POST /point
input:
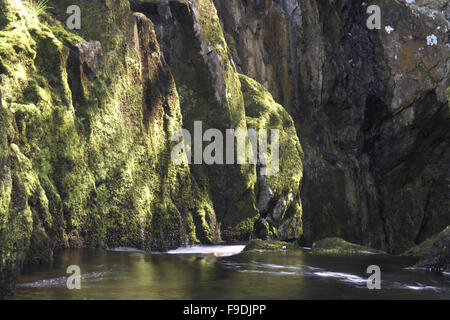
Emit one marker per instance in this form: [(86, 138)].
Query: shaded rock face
[(434, 253), (370, 108), (86, 121)]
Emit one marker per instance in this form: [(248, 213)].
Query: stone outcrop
[(212, 91), (370, 108)]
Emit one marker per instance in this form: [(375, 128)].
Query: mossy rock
[(278, 192), (85, 144), (258, 245), (340, 247), (434, 253)]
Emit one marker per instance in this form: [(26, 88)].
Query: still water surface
[(220, 273)]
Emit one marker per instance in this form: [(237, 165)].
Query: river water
[(220, 273)]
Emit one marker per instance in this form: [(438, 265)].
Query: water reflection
[(130, 274)]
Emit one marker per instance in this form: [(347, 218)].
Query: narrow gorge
[(88, 115)]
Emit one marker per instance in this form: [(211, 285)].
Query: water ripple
[(62, 281)]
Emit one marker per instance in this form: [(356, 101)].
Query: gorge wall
[(370, 108), (87, 116), (86, 125)]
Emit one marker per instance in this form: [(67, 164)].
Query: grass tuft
[(38, 7)]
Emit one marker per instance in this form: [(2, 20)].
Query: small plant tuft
[(38, 7)]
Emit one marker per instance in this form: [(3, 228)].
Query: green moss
[(258, 245), (231, 43), (86, 120), (210, 91), (264, 113), (88, 156), (340, 247), (425, 248), (25, 107)]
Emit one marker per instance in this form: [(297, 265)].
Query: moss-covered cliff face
[(86, 120), (278, 197), (85, 157), (212, 91), (369, 106)]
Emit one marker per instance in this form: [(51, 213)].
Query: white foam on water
[(341, 276), (62, 281), (218, 251), (126, 249), (279, 273), (46, 283), (421, 287), (276, 266)]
